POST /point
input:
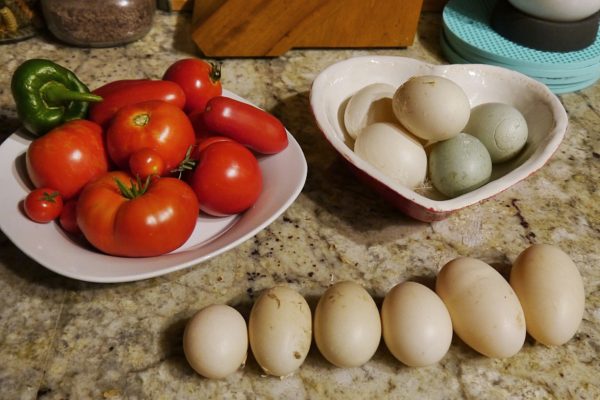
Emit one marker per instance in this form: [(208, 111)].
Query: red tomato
[(155, 125), (200, 81), (134, 221), (43, 205), (118, 94), (68, 217), (146, 162), (67, 157), (227, 179), (246, 124)]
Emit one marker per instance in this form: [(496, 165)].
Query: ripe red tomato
[(227, 179), (155, 125), (68, 217), (246, 124), (146, 162), (43, 205), (67, 157), (118, 94), (200, 81), (137, 221)]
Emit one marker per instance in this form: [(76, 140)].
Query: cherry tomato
[(155, 125), (200, 81), (246, 124), (121, 93), (67, 157), (68, 217), (43, 205), (135, 218), (227, 179), (146, 162)]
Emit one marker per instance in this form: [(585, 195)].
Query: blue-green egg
[(459, 165), (500, 127)]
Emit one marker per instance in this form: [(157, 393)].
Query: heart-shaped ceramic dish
[(546, 119)]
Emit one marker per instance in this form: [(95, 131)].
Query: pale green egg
[(500, 127), (459, 165)]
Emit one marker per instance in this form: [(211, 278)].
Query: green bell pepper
[(47, 95)]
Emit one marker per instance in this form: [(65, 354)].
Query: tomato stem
[(141, 119), (136, 188), (215, 72), (187, 164), (51, 197)]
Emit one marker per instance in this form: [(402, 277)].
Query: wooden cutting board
[(256, 28)]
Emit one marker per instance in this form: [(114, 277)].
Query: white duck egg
[(215, 341), (551, 292), (394, 152), (416, 324), (347, 325), (500, 127), (280, 330), (372, 103), (431, 107), (485, 311)]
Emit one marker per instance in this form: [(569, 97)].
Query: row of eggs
[(544, 296), (390, 125)]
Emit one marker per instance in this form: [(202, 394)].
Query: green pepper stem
[(55, 93)]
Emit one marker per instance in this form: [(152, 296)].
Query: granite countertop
[(66, 339)]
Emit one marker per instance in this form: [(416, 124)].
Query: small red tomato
[(43, 205), (200, 81), (227, 179), (67, 157), (246, 124), (146, 162), (155, 125), (68, 217)]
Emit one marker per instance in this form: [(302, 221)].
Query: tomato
[(146, 162), (136, 220), (67, 157), (246, 124), (155, 125), (68, 217), (227, 179), (121, 93), (200, 81), (43, 205)]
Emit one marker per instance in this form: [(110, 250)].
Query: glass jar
[(98, 23)]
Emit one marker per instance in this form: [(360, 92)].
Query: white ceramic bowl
[(558, 10), (546, 119)]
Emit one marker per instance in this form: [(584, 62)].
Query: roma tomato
[(246, 124), (200, 81), (154, 125), (121, 93), (67, 157), (227, 179), (68, 217), (123, 217), (43, 205)]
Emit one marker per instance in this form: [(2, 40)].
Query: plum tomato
[(43, 205), (128, 217), (67, 157), (155, 125), (200, 81), (227, 179), (246, 124)]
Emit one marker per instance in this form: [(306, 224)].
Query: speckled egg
[(500, 127), (280, 330), (459, 165)]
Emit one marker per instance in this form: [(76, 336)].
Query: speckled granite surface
[(65, 339)]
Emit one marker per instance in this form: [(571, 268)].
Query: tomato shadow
[(330, 184)]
